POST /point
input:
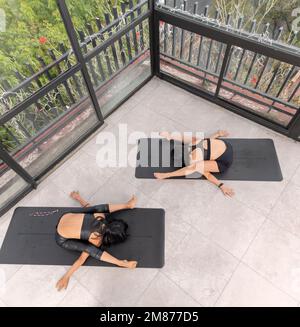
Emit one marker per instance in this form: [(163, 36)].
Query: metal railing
[(216, 63), (41, 105), (260, 80)]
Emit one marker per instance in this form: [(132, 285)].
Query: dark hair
[(115, 231)]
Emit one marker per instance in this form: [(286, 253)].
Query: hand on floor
[(62, 283), (75, 195), (227, 191)]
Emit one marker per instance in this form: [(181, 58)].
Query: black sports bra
[(91, 224)]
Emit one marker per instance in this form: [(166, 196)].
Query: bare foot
[(160, 175), (75, 195), (132, 202)]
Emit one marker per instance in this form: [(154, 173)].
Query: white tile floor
[(226, 252)]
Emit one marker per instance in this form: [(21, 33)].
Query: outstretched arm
[(180, 138), (206, 168), (106, 257), (64, 281)]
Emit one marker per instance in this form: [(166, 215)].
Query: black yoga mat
[(254, 160), (30, 239)]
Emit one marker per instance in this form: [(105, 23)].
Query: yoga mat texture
[(253, 160), (30, 239)]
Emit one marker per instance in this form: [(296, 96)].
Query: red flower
[(254, 80), (138, 34), (43, 40)]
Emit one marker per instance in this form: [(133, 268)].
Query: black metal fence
[(65, 94), (245, 75), (259, 80)]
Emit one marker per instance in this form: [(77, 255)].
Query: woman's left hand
[(62, 283)]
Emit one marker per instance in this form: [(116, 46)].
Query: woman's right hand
[(62, 283), (130, 264), (227, 191)]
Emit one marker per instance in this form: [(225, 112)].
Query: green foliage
[(30, 20)]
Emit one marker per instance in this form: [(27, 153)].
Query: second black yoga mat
[(30, 239), (254, 160)]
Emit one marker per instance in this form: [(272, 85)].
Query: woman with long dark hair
[(90, 232)]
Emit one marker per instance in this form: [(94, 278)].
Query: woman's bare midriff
[(70, 225)]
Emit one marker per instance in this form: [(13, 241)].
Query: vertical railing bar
[(65, 83), (154, 40), (113, 47), (262, 72), (106, 56), (7, 87), (174, 29), (141, 29), (182, 32), (223, 68), (60, 99), (50, 104), (294, 92), (127, 35), (89, 64), (250, 68), (288, 76), (77, 50), (11, 134), (244, 52), (273, 78), (74, 77), (136, 47), (98, 58), (211, 44), (221, 46), (195, 9), (123, 57)]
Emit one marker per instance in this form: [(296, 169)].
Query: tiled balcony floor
[(243, 251)]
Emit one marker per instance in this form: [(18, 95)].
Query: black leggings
[(78, 245)]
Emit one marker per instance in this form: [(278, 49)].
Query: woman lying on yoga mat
[(207, 156), (89, 231)]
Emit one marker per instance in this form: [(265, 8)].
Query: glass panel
[(135, 70), (123, 65), (191, 57), (262, 85), (10, 185), (97, 21), (273, 22), (39, 135), (32, 37)]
